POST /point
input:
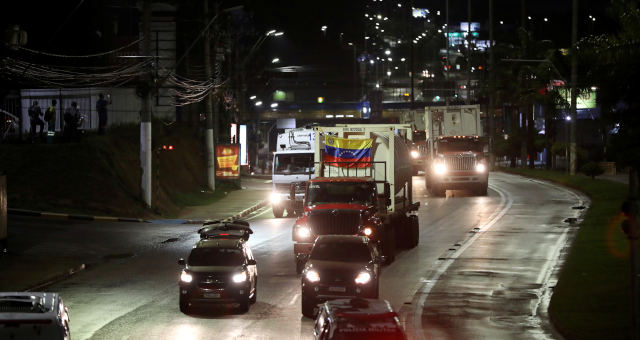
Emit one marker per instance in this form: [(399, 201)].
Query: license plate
[(212, 295), (338, 289)]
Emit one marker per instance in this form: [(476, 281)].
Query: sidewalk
[(44, 251)]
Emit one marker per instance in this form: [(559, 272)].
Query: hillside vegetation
[(101, 174)]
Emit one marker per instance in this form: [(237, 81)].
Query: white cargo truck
[(455, 150), (371, 197), (292, 167)]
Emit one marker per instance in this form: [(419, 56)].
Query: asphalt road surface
[(483, 269)]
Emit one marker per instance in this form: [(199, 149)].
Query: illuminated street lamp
[(275, 60)]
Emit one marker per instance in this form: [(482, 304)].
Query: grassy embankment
[(592, 297), (101, 174)]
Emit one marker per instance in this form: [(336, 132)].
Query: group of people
[(72, 119)]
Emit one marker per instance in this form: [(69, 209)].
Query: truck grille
[(335, 222), (212, 280), (460, 162)]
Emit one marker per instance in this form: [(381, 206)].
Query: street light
[(275, 60)]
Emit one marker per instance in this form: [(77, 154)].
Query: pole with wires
[(145, 114), (211, 165)]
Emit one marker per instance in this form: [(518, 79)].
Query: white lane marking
[(506, 201), (294, 299)]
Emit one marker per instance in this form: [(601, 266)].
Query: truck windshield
[(341, 192), (288, 164), (341, 251), (449, 145)]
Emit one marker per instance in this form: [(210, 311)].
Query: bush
[(592, 169)]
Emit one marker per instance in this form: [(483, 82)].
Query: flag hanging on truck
[(347, 153)]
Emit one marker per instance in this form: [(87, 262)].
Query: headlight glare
[(302, 231), (415, 154), (363, 278), (239, 277), (186, 277), (312, 276), (480, 167), (440, 168), (367, 231), (274, 197)]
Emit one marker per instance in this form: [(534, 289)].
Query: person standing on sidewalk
[(34, 114), (50, 118), (101, 107)]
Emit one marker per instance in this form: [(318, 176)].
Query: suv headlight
[(440, 168), (312, 276), (302, 231), (480, 167), (367, 231), (415, 154), (239, 277), (363, 278), (186, 277), (274, 198)]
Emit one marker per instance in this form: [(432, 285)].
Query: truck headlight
[(302, 231), (415, 154), (312, 276), (186, 277), (274, 198), (480, 167), (363, 278), (367, 231), (239, 277), (440, 168)]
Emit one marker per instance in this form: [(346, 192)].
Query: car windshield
[(341, 192), (286, 164), (341, 251), (216, 257), (448, 145)]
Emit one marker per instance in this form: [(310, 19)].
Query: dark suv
[(357, 319), (340, 266), (219, 271)]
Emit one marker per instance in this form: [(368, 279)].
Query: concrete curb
[(241, 214), (57, 278), (59, 216)]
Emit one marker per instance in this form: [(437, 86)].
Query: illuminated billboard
[(586, 100), (227, 161)]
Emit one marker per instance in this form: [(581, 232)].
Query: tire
[(482, 190), (308, 305), (184, 305), (389, 245), (414, 227), (254, 298), (300, 266), (244, 306), (438, 191), (277, 212)]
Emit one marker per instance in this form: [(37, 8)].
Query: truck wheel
[(414, 228), (438, 191), (277, 211), (389, 245), (308, 305), (244, 306), (299, 266), (482, 190)]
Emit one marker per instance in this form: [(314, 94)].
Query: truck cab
[(292, 165)]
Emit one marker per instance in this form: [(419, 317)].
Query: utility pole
[(211, 156), (145, 119), (574, 90), (633, 233), (491, 87), (446, 64), (468, 52)]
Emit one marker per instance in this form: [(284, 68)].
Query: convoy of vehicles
[(357, 319), (340, 266), (33, 315), (455, 150), (219, 271), (371, 198), (292, 165)]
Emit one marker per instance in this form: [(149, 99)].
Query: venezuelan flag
[(338, 150)]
